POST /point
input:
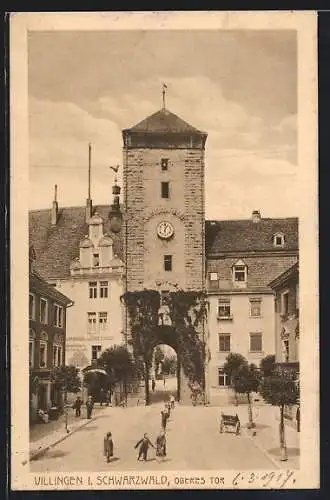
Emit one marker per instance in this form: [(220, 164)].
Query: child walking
[(108, 446), (143, 445), (161, 445)]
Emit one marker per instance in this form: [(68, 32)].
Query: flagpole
[(89, 169)]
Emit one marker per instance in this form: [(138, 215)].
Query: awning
[(89, 369)]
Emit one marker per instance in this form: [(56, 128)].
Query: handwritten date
[(276, 480)]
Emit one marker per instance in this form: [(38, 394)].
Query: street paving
[(193, 442)]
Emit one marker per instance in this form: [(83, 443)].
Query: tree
[(118, 363), (280, 389), (143, 307), (247, 380), (267, 365), (66, 378), (169, 365), (188, 312), (234, 362)]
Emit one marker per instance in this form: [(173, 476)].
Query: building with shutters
[(47, 337), (286, 287), (242, 257)]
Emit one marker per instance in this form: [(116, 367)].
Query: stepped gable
[(163, 121), (57, 246), (225, 236)]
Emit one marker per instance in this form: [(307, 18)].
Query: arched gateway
[(163, 179)]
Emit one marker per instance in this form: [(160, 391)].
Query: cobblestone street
[(193, 442)]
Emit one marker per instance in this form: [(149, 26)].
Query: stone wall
[(145, 208)]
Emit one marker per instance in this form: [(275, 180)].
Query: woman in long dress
[(108, 446), (161, 445)]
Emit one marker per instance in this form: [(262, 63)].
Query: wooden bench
[(230, 423)]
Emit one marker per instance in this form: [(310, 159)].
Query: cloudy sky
[(239, 86)]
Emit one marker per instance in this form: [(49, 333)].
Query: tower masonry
[(163, 174)]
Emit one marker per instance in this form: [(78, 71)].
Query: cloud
[(247, 163), (60, 133), (238, 182)]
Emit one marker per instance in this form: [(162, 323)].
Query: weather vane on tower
[(164, 92), (115, 169)]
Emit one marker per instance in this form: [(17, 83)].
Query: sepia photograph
[(164, 251)]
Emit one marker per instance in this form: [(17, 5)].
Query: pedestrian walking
[(143, 445), (77, 406), (89, 406), (161, 445), (102, 396), (153, 385), (164, 418), (108, 398), (108, 446), (168, 409), (298, 419), (172, 401)]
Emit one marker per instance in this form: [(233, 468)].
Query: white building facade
[(96, 283)]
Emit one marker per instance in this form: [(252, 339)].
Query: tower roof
[(164, 121)]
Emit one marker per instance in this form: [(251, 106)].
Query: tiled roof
[(285, 275), (261, 270), (38, 284), (163, 121), (57, 246), (246, 235)]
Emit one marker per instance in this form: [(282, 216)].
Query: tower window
[(164, 164), (168, 262), (165, 189)]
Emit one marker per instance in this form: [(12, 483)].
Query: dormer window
[(278, 240), (239, 273), (96, 260)]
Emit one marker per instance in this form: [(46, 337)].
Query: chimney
[(256, 217), (55, 208)]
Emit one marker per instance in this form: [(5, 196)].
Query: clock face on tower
[(165, 230)]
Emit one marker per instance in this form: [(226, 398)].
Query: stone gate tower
[(163, 175), (163, 178)]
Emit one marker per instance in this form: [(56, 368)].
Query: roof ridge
[(164, 113), (250, 220)]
